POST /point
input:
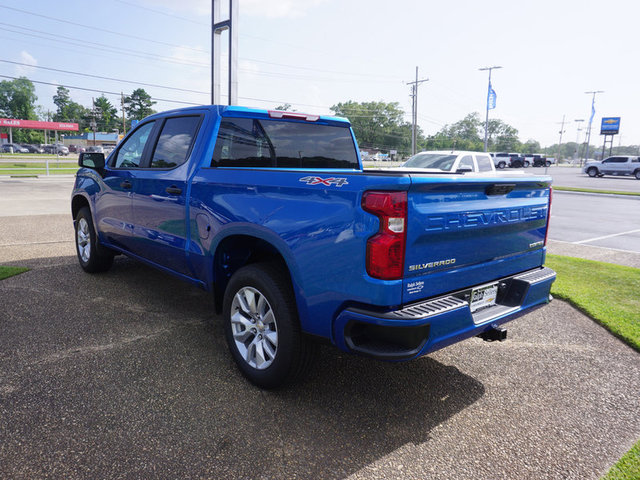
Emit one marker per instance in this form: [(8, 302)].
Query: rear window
[(246, 142)]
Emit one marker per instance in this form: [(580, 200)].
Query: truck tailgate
[(464, 231)]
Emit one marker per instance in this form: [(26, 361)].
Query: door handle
[(126, 184), (173, 190)]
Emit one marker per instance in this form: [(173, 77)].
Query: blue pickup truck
[(273, 214)]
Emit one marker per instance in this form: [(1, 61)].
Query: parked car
[(538, 160), (501, 159), (33, 148), (57, 149), (618, 165), (13, 148), (511, 160), (95, 149), (451, 161), (297, 243), (518, 161)]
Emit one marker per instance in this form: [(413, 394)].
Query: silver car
[(618, 165)]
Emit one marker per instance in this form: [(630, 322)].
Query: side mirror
[(91, 160)]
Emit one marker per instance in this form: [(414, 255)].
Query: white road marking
[(595, 246), (607, 236)]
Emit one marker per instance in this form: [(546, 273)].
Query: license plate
[(483, 297)]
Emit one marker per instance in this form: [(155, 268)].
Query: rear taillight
[(546, 233), (385, 250)]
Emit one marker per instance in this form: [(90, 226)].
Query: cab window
[(466, 162), (130, 153)]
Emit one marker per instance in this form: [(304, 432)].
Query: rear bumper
[(428, 325)]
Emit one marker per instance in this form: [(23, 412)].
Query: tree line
[(18, 100), (377, 125)]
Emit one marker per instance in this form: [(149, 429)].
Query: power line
[(98, 91), (94, 28), (104, 78), (170, 15), (141, 54), (100, 46)]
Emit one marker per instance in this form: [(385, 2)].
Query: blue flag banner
[(593, 110), (491, 98)]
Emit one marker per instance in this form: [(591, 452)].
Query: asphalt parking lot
[(126, 375)]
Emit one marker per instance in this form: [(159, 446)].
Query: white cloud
[(26, 57)]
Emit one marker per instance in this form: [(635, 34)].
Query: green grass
[(608, 294), (592, 190), (628, 467), (6, 272)]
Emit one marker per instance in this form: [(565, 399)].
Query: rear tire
[(501, 165), (526, 164), (592, 172), (262, 328), (92, 256), (547, 163), (637, 174)]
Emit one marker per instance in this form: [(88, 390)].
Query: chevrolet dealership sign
[(610, 126)]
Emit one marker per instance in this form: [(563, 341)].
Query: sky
[(314, 54)]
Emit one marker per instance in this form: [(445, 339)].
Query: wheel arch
[(77, 202), (236, 250)]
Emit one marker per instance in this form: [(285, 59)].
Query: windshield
[(441, 161)]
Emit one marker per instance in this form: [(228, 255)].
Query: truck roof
[(233, 110)]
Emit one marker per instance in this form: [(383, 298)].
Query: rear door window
[(246, 142), (175, 141)]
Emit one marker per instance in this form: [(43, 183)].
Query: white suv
[(618, 165)]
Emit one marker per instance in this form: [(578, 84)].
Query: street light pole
[(593, 111), (486, 121)]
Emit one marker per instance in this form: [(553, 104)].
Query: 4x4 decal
[(338, 182)]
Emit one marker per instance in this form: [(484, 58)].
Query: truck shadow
[(172, 404)]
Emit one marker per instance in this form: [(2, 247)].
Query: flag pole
[(486, 121)]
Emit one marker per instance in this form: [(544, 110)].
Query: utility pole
[(124, 125), (93, 123), (486, 121), (414, 111), (593, 112), (578, 130), (560, 141)]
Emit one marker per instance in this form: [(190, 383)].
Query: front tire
[(501, 165), (547, 164), (592, 172), (637, 174), (92, 256), (262, 327)]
